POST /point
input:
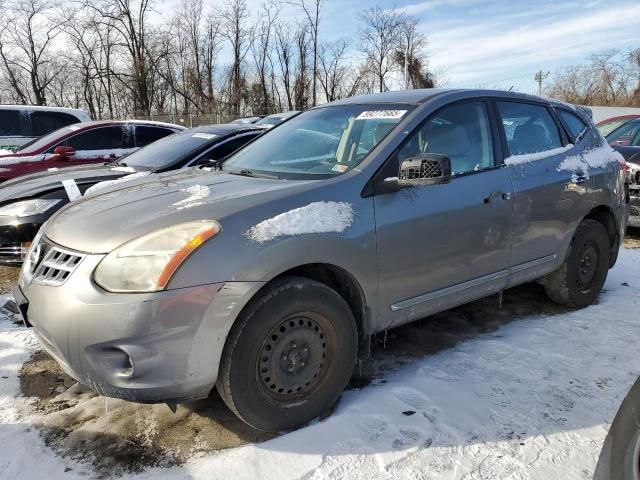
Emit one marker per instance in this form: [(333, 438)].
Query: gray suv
[(267, 275)]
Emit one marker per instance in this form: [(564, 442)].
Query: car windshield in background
[(319, 143), (168, 150), (35, 145), (628, 135)]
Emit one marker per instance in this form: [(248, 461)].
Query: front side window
[(626, 135), (460, 132), (319, 143), (104, 138), (574, 124), (528, 128), (45, 122)]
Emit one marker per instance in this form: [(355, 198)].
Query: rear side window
[(10, 123), (573, 123), (460, 132), (529, 128), (147, 135), (105, 138), (45, 122)]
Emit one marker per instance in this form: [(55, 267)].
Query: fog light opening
[(127, 368)]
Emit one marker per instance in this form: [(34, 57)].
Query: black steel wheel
[(579, 280), (289, 356)]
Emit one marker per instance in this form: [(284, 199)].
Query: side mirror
[(64, 151), (424, 169)]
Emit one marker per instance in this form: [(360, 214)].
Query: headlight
[(146, 264), (26, 208)]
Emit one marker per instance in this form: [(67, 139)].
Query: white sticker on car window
[(379, 114), (71, 188), (206, 136)]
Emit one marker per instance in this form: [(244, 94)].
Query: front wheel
[(579, 280), (289, 356)]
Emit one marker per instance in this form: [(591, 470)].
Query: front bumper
[(157, 347)]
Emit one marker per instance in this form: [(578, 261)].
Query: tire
[(620, 455), (289, 356), (579, 280)]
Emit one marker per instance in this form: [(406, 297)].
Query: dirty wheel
[(578, 282), (289, 356)]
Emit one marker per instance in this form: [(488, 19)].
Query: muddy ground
[(116, 436)]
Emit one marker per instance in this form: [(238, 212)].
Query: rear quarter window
[(10, 123), (574, 124)]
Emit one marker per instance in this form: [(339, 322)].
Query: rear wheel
[(578, 282), (289, 356)]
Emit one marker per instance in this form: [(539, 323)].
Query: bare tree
[(235, 17), (311, 9), (379, 38), (333, 71)]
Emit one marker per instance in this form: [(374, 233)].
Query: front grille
[(56, 266)]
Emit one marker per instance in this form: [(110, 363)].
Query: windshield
[(34, 145), (319, 143), (169, 150), (626, 135)]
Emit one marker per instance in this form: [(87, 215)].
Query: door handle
[(494, 196)]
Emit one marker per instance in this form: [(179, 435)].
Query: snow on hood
[(102, 185), (5, 152), (16, 159), (196, 193), (595, 158), (533, 157), (317, 217)]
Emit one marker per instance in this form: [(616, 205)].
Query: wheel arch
[(604, 215)]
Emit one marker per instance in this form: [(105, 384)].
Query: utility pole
[(540, 76)]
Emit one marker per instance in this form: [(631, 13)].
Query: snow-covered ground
[(532, 399)]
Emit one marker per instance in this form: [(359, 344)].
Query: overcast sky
[(498, 43)]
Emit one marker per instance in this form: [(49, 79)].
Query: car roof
[(418, 96), (226, 128), (101, 123), (34, 108)]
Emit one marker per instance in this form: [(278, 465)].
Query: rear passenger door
[(443, 245), (536, 144)]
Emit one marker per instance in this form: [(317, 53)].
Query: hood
[(41, 183), (101, 222)]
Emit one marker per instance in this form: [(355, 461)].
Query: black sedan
[(27, 202)]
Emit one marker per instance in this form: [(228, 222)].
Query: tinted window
[(105, 138), (461, 132), (609, 126), (574, 124), (10, 123), (147, 135), (225, 149), (626, 135), (529, 128), (45, 122), (170, 149)]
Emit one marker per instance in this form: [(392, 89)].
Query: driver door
[(443, 245)]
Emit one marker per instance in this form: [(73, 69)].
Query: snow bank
[(533, 157), (317, 217), (595, 158), (196, 194), (108, 183)]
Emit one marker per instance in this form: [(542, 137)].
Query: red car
[(80, 143), (610, 124)]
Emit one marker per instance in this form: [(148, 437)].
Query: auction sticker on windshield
[(378, 114)]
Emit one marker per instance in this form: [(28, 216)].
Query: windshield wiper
[(249, 173)]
